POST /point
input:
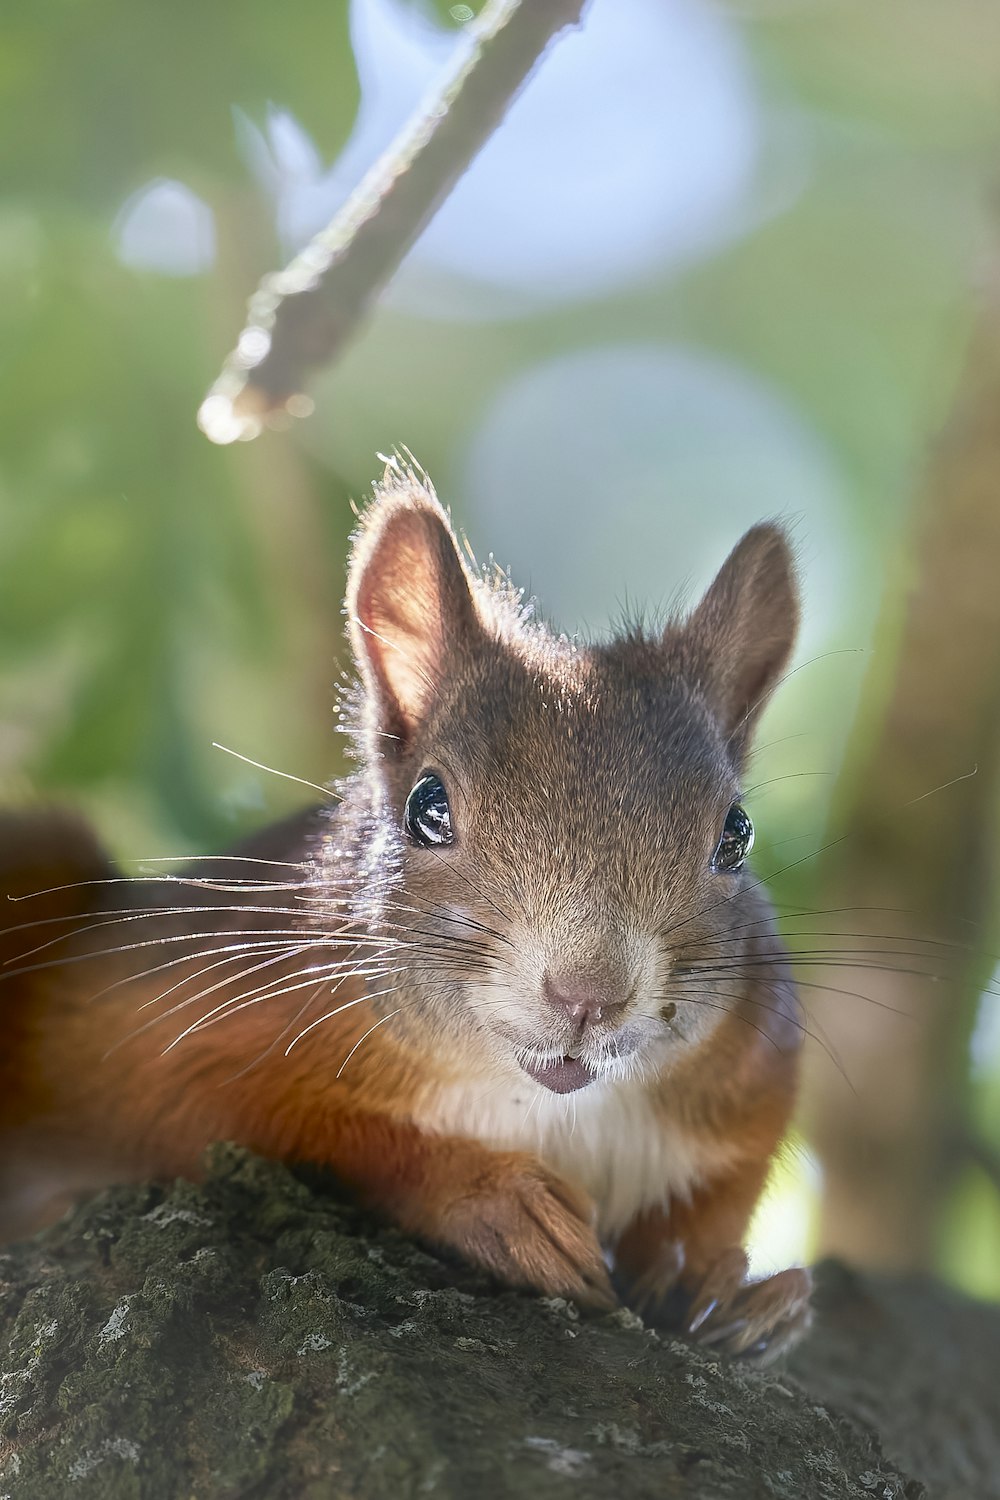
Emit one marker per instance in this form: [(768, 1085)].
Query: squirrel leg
[(684, 1268), (503, 1211)]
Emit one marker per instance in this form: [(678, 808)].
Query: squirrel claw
[(659, 1280), (532, 1230), (719, 1288), (760, 1319), (750, 1320), (724, 1333)]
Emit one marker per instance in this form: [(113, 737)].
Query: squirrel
[(515, 987)]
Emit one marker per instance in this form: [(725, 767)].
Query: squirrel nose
[(582, 1000)]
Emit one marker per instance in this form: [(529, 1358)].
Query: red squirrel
[(515, 986)]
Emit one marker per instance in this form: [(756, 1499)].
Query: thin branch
[(301, 317)]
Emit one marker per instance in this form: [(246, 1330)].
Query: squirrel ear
[(409, 603), (743, 631)]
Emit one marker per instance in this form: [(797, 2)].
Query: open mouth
[(562, 1075)]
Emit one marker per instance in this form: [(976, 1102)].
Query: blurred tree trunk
[(918, 806)]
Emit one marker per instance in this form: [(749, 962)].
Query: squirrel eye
[(736, 841), (427, 815)]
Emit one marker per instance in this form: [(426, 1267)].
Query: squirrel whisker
[(266, 992)]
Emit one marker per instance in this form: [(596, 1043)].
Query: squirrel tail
[(51, 874), (49, 863)]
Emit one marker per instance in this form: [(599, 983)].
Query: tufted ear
[(742, 633), (410, 607)]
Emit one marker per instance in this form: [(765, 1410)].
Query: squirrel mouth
[(561, 1075)]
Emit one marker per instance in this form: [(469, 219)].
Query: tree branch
[(919, 818), (299, 318)]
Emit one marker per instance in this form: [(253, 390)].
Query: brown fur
[(588, 787)]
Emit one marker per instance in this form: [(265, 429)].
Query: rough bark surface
[(254, 1336)]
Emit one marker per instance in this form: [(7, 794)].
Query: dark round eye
[(736, 841), (427, 816)]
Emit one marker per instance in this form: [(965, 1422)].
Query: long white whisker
[(278, 950), (283, 1032), (198, 859), (231, 951), (263, 994), (330, 1014), (380, 1022), (326, 969), (324, 791)]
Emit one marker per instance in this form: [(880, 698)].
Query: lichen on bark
[(255, 1335)]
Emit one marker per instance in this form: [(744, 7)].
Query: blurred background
[(721, 262)]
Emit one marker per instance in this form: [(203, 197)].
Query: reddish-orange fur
[(91, 1091), (85, 1087), (87, 1093)]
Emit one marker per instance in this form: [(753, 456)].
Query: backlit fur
[(370, 1004)]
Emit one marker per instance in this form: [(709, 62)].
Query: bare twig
[(299, 318)]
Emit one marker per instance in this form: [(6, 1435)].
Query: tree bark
[(918, 855), (253, 1336)]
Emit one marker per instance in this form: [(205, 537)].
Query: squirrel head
[(560, 829)]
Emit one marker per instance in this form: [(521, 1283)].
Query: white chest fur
[(608, 1138)]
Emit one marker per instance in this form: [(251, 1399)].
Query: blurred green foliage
[(139, 589), (152, 588)]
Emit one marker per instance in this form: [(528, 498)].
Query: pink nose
[(582, 1000)]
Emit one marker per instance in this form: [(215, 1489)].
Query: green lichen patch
[(254, 1336)]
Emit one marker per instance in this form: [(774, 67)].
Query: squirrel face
[(560, 823)]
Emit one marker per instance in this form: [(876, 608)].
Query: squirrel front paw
[(530, 1228), (721, 1307)]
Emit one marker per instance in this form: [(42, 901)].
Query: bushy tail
[(49, 863)]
